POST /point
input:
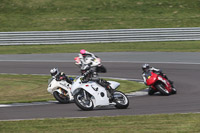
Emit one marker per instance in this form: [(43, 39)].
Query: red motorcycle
[(158, 83)]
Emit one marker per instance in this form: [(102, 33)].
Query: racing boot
[(110, 93)]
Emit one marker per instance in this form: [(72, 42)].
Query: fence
[(99, 36)]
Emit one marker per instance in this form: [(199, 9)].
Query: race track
[(183, 70)]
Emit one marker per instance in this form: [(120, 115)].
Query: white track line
[(27, 104)]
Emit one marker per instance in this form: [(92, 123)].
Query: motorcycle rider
[(90, 74), (146, 69), (84, 56), (60, 75), (88, 58)]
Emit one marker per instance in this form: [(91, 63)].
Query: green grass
[(47, 15), (174, 123), (180, 46), (30, 88), (23, 88)]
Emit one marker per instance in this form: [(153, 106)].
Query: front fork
[(85, 95)]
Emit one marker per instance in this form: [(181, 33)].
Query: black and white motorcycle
[(90, 95)]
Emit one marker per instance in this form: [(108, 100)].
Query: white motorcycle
[(89, 95), (61, 90)]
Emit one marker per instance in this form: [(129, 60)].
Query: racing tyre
[(151, 91), (60, 98), (101, 69), (162, 90), (121, 100), (82, 102)]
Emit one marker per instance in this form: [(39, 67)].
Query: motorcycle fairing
[(151, 78), (166, 83), (91, 88), (114, 85), (77, 60), (96, 91), (162, 80), (54, 85)]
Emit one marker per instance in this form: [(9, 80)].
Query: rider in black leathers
[(90, 74)]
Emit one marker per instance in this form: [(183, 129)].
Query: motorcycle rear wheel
[(162, 89), (101, 69), (121, 100), (60, 98), (81, 102)]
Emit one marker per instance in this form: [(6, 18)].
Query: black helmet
[(54, 72), (145, 67)]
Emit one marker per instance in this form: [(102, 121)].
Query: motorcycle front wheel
[(151, 91), (83, 101), (121, 100), (60, 98), (174, 91), (162, 90)]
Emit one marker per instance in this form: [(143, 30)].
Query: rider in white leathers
[(87, 58)]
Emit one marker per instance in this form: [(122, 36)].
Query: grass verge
[(38, 15), (180, 46), (30, 88), (165, 123)]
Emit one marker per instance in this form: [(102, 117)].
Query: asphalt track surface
[(182, 68)]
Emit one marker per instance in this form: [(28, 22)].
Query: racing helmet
[(82, 51), (145, 67), (54, 72)]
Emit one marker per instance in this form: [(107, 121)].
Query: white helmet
[(54, 72), (145, 67)]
